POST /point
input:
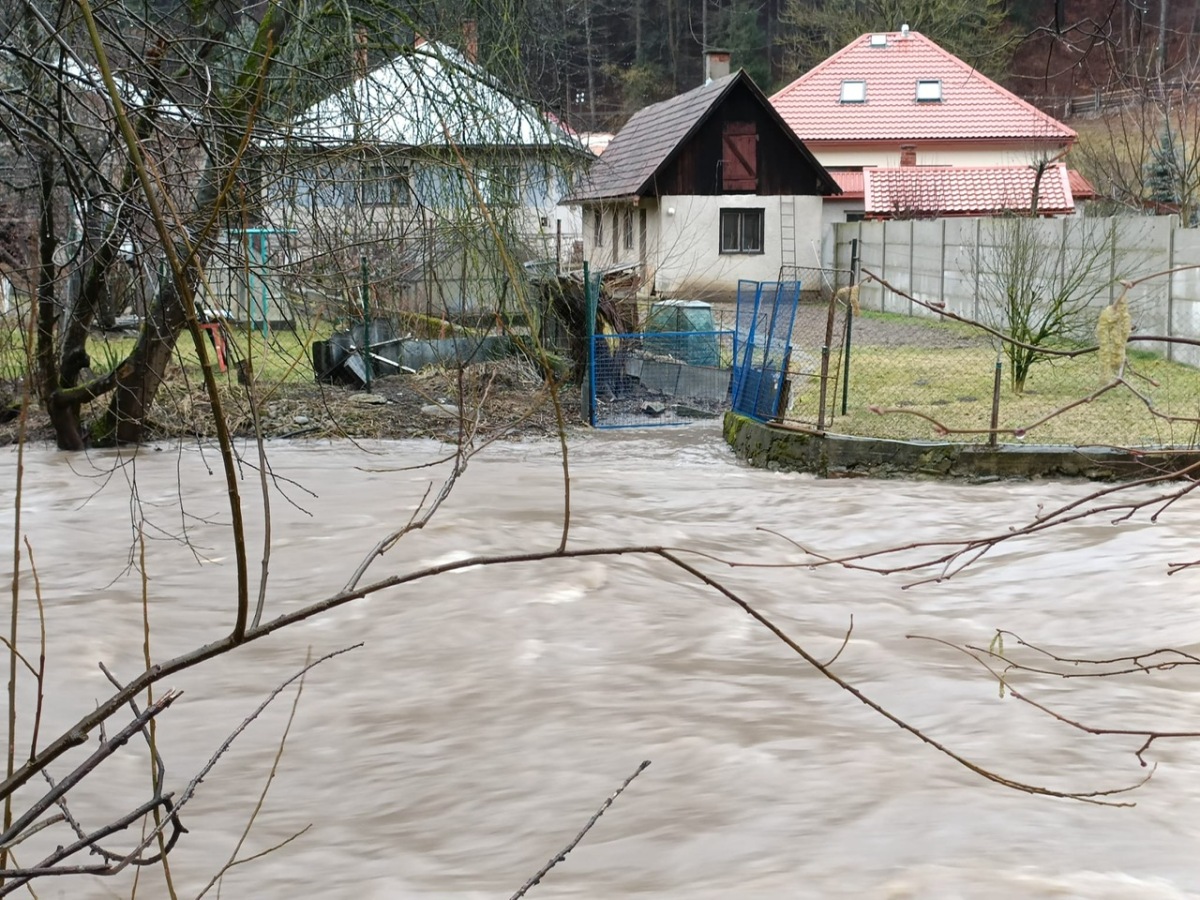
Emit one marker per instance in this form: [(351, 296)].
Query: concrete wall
[(947, 260)]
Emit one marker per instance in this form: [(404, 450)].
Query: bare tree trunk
[(591, 65), (1162, 38)]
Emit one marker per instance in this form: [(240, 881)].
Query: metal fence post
[(995, 403), (589, 302), (366, 308), (849, 324)]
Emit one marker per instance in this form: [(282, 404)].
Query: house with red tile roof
[(702, 190), (910, 130)]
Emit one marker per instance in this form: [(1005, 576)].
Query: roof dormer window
[(854, 92), (879, 40), (929, 90)]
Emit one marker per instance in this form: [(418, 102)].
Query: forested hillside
[(596, 61)]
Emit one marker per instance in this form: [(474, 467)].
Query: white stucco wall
[(935, 155), (689, 263)]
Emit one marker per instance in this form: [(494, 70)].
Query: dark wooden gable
[(739, 149)]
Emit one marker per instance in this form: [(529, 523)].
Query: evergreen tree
[(746, 40), (1160, 172)]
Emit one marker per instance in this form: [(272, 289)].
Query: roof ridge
[(815, 70), (972, 70), (1042, 124)]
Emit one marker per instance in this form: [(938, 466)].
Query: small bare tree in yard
[(1040, 283)]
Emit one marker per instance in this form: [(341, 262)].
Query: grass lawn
[(278, 357), (954, 386)]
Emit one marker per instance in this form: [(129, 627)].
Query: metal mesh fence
[(663, 378), (913, 378)]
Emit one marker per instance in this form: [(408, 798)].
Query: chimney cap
[(904, 30)]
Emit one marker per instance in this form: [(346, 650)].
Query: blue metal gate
[(762, 345)]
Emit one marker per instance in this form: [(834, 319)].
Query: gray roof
[(429, 96), (650, 138)]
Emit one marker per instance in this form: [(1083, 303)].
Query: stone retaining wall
[(841, 456)]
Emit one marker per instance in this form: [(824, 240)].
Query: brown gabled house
[(702, 190)]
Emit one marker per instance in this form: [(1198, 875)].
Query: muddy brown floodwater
[(491, 711)]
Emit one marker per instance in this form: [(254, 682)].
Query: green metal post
[(366, 307), (262, 282)]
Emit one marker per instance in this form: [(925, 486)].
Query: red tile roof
[(972, 107), (964, 190), (851, 184), (1080, 186)]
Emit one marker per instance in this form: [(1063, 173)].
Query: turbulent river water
[(490, 711)]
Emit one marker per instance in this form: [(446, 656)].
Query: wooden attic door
[(739, 157)]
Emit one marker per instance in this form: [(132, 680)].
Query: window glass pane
[(929, 90), (854, 91), (752, 221), (731, 224)]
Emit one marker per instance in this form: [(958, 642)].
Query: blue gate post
[(590, 301)]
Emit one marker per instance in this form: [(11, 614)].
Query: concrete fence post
[(1170, 330), (883, 267)]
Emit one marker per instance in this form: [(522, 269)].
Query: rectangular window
[(627, 228), (879, 40), (742, 230), (854, 92), (383, 185), (598, 227), (929, 90), (501, 186)]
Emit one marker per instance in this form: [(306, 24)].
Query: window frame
[(502, 185), (936, 83), (846, 82), (744, 216), (384, 184)]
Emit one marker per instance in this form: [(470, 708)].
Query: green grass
[(279, 357), (954, 387)]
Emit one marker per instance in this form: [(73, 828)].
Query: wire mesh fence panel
[(766, 312), (917, 379), (817, 283), (661, 378)]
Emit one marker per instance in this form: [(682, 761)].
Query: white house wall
[(933, 155), (682, 254), (689, 263)]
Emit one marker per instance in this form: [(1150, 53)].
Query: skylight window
[(929, 90), (879, 40), (854, 92)]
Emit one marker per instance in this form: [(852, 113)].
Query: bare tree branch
[(562, 854)]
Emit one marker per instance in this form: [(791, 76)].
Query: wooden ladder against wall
[(787, 230)]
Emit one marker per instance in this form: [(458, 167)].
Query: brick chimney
[(908, 154), (716, 64), (470, 40)]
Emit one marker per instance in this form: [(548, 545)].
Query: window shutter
[(739, 157)]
